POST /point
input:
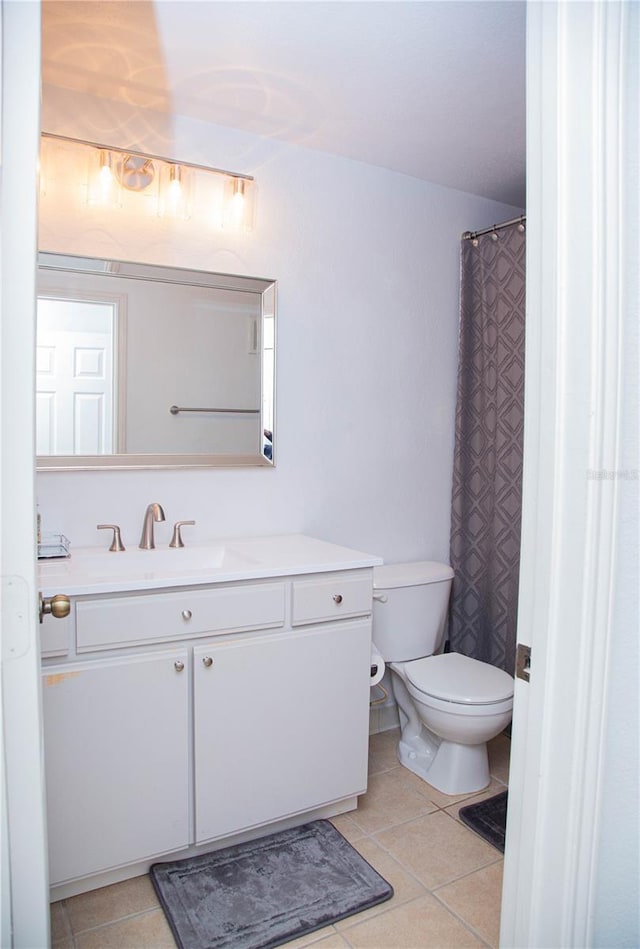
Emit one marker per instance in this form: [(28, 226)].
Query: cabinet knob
[(207, 661), (58, 605), (337, 597), (187, 614), (178, 665)]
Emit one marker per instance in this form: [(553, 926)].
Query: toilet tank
[(410, 608)]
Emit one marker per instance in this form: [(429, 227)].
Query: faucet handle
[(116, 543), (176, 540)]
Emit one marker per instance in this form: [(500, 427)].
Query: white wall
[(368, 275)]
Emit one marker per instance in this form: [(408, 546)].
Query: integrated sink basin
[(165, 562), (97, 570), (90, 569)]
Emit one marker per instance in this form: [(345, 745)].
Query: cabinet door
[(281, 724), (116, 754)]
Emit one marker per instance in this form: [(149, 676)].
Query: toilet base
[(447, 766)]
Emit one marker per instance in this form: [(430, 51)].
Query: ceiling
[(429, 88)]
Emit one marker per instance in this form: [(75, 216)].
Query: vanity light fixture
[(173, 186)]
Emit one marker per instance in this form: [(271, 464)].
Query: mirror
[(142, 366)]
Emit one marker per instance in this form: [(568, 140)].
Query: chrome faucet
[(153, 513)]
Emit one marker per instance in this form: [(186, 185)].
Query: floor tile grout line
[(432, 890), (67, 918), (414, 899), (402, 866), (385, 912), (386, 827), (466, 875), (344, 932), (117, 919), (461, 919), (425, 795)]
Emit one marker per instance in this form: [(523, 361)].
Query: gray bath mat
[(488, 818), (265, 892)]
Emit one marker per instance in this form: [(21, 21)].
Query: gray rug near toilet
[(265, 892), (488, 818)]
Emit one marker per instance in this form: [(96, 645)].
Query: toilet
[(450, 706)]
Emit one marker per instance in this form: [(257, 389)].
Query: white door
[(581, 259), (74, 377), (23, 880)]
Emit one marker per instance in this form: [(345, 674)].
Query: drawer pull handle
[(337, 597), (187, 614), (178, 666), (207, 661)]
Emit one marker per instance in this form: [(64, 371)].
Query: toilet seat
[(458, 679)]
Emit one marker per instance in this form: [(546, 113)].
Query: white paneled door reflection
[(74, 377)]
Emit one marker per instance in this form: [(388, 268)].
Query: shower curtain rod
[(471, 235)]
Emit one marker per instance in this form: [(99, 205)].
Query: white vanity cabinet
[(116, 760), (181, 718)]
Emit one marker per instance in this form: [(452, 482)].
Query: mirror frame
[(175, 275)]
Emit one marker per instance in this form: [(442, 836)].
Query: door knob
[(58, 605)]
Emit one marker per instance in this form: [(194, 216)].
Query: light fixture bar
[(137, 154)]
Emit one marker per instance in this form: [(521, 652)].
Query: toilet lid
[(455, 678)]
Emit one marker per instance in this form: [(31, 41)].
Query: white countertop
[(98, 570)]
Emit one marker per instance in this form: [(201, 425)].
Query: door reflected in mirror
[(147, 366), (75, 405)]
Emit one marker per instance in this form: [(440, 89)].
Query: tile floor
[(447, 880)]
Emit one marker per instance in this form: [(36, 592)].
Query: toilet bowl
[(450, 705)]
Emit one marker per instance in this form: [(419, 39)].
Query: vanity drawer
[(122, 621), (335, 597)]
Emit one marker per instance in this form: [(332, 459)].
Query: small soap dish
[(53, 545)]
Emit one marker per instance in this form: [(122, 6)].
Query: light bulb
[(106, 174), (175, 187), (236, 207), (174, 191)]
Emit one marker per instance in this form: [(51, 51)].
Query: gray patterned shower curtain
[(487, 477)]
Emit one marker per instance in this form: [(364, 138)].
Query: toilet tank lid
[(390, 576)]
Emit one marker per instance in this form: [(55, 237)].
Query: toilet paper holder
[(377, 666)]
